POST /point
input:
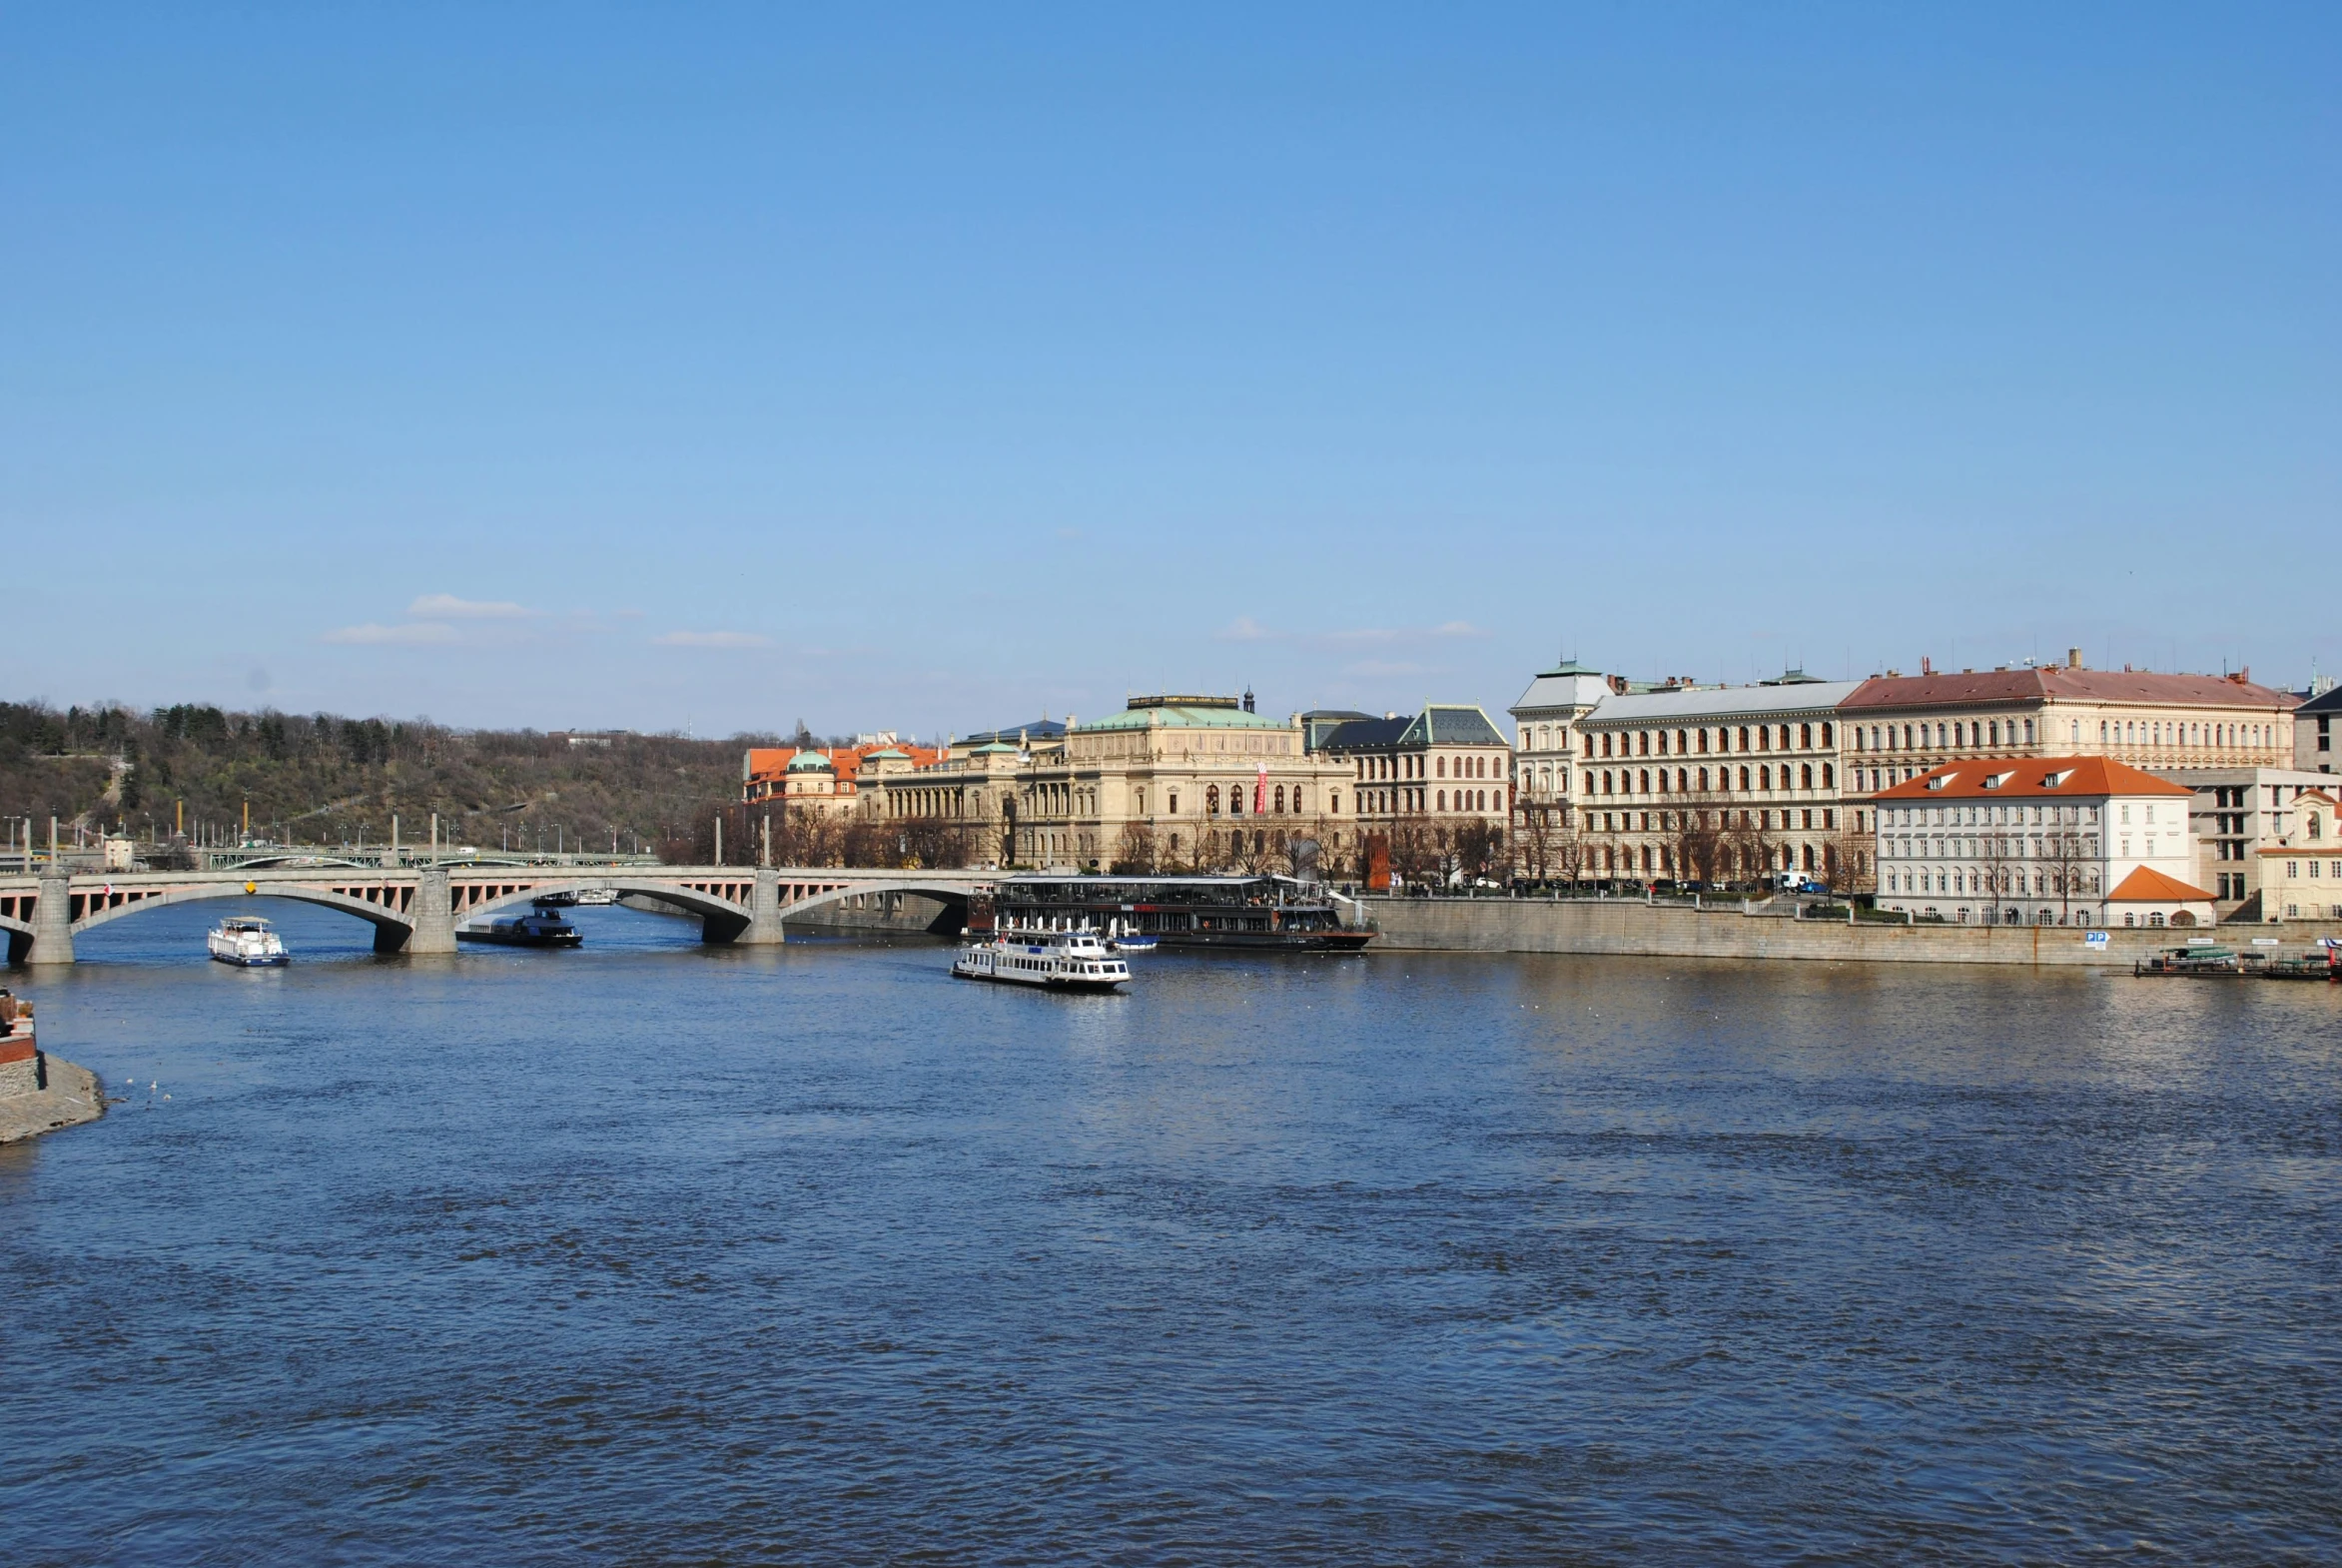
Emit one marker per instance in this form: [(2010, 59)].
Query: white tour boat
[(1056, 959), (247, 942)]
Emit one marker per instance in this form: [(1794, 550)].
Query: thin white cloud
[(370, 636), (713, 639), (1243, 629), (445, 606)]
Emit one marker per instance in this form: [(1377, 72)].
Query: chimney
[(1927, 665), (2073, 658)]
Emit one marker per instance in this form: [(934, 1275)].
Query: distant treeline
[(331, 780)]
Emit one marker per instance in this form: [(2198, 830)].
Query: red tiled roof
[(2028, 778), (1972, 687), (772, 762), (2147, 886)]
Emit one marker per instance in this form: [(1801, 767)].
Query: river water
[(651, 1253)]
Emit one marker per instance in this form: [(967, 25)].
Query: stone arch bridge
[(416, 909)]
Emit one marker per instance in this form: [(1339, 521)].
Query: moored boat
[(2192, 963), (1052, 960), (247, 942), (542, 927), (1266, 914)]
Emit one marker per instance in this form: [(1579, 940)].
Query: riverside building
[(1173, 782), (1901, 726), (1545, 721), (2081, 841), (1444, 766), (2315, 726), (2301, 875), (1709, 783)]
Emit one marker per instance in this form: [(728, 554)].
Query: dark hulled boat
[(542, 927), (1251, 914)]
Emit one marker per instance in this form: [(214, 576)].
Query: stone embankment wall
[(63, 1095), (1623, 927)]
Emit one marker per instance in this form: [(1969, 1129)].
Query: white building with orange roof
[(2301, 875), (2079, 841), (829, 781)]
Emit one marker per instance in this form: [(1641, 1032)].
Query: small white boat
[(1054, 960), (247, 942), (1130, 944), (599, 897)]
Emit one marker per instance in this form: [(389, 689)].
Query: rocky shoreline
[(68, 1097)]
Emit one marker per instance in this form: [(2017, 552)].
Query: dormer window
[(1939, 781), (1995, 781), (2058, 779)]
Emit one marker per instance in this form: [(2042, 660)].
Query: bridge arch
[(952, 895), (720, 918), (20, 939), (391, 928)]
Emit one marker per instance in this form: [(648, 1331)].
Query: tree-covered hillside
[(331, 780)]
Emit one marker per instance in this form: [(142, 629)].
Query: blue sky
[(930, 370)]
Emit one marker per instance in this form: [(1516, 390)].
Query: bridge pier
[(434, 914), (764, 912), (53, 922)]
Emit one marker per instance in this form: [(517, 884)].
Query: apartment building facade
[(1901, 726), (1717, 784), (2083, 841)]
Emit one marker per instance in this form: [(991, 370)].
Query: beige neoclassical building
[(1172, 782)]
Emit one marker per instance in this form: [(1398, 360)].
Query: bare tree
[(1570, 854), (2061, 855), (1748, 845), (1135, 854), (1696, 841), (1534, 840), (1998, 867), (1414, 852)]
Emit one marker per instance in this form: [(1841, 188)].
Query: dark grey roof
[(1364, 734), (1038, 730), (2327, 701), (1454, 724), (1439, 724)]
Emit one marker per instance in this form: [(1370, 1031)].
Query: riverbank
[(68, 1097), (1629, 929)]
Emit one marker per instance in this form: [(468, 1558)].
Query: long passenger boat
[(1251, 914)]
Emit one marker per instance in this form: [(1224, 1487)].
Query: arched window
[(1211, 800), (1804, 774), (1662, 781), (1829, 776), (1744, 778), (1605, 778), (1825, 737), (1764, 777), (1443, 800), (1280, 799), (1703, 781), (1645, 781), (1440, 767), (1805, 736), (2317, 829)]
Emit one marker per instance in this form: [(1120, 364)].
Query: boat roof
[(244, 923)]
